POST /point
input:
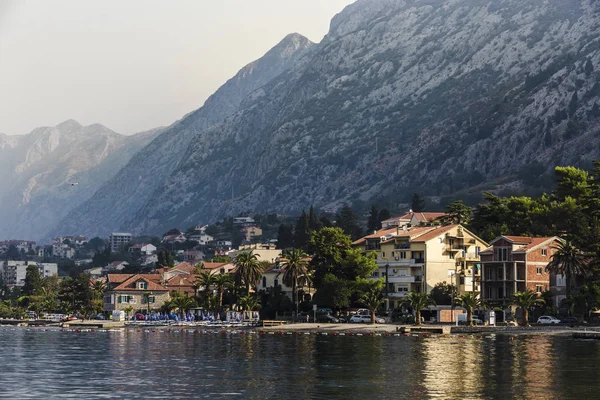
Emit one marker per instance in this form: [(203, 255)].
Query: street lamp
[(451, 275)]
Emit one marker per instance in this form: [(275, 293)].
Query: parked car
[(547, 319), (327, 318), (100, 316), (327, 311), (139, 317), (570, 321), (462, 319), (365, 319)]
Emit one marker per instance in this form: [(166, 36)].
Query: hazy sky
[(137, 64)]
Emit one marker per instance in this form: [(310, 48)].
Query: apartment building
[(14, 272), (517, 263), (418, 258), (118, 239)]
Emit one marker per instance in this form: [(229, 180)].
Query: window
[(402, 289), (560, 280), (403, 255), (540, 270), (264, 281), (383, 254), (501, 254), (376, 274), (451, 255), (142, 285), (539, 288), (544, 251), (477, 251)]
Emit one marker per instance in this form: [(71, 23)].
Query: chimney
[(374, 232), (404, 228)]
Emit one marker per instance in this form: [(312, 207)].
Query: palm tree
[(222, 282), (205, 279), (373, 299), (247, 269), (470, 302), (183, 303), (198, 268), (568, 261), (526, 300), (248, 303), (294, 265), (418, 301)]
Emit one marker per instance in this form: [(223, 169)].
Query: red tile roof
[(150, 279), (117, 278), (433, 233), (185, 267), (210, 265), (428, 216), (534, 243)]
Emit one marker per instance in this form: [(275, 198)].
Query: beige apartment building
[(418, 258)]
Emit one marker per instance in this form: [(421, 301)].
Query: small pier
[(439, 329), (586, 335)]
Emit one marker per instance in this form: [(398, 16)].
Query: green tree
[(457, 213), (302, 231), (248, 270), (313, 221), (33, 281), (373, 299), (285, 236), (333, 292), (526, 300), (470, 302), (417, 203), (206, 280), (222, 282), (183, 303), (443, 293), (418, 301), (347, 222), (333, 254), (568, 261), (384, 214), (373, 222), (294, 267), (248, 303)]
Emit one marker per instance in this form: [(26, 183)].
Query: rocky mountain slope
[(439, 96), (51, 170), (137, 182)]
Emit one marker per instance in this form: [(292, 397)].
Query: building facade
[(118, 239), (515, 264), (138, 291), (14, 272), (417, 258)]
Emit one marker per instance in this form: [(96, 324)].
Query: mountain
[(137, 182), (51, 170), (443, 97)]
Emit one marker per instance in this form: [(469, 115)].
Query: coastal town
[(417, 267)]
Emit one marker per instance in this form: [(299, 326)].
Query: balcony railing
[(401, 279), (402, 246)]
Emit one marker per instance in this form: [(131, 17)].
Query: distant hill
[(50, 171)]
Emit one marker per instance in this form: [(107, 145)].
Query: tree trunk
[(372, 316), (525, 316), (418, 321), (469, 317), (248, 288), (295, 296), (220, 298)]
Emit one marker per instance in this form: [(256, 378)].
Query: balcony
[(467, 257), (396, 262), (397, 295), (401, 279), (402, 246)]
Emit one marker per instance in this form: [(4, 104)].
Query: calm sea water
[(131, 364)]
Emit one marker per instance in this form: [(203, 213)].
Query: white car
[(547, 319), (365, 319)]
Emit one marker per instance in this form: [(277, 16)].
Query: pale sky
[(133, 65)]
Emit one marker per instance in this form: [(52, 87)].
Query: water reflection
[(180, 364)]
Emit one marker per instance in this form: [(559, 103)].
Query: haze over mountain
[(51, 170), (401, 95)]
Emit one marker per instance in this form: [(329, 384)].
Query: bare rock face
[(51, 170), (138, 181), (401, 95)]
